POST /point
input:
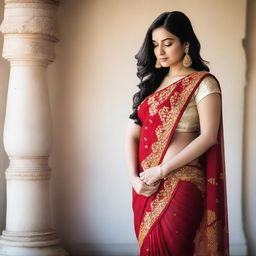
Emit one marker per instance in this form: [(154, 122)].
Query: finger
[(144, 180), (146, 184), (155, 183), (142, 177), (150, 184), (149, 192)]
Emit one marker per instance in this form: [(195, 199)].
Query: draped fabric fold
[(188, 213)]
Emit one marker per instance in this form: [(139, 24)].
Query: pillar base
[(30, 244), (7, 250)]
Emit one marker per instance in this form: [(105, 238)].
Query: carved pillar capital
[(30, 30)]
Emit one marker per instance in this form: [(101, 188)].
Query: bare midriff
[(178, 142), (179, 139)]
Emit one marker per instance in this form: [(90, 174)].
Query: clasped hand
[(151, 175), (148, 182)]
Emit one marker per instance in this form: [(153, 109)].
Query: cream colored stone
[(30, 32)]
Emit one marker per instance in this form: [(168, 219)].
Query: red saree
[(188, 213)]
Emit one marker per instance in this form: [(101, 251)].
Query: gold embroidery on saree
[(168, 117), (161, 97), (185, 173), (212, 181), (207, 238)]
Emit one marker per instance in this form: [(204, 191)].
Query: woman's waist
[(151, 150)]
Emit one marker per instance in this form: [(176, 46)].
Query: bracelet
[(160, 172)]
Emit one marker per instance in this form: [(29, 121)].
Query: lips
[(163, 59)]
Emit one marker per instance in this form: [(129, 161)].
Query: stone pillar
[(30, 31)]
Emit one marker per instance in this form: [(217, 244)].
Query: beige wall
[(91, 86)]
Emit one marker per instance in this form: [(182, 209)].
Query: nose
[(160, 49)]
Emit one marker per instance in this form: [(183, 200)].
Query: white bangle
[(160, 172)]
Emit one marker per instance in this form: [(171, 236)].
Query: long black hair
[(150, 77)]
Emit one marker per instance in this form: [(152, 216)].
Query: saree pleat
[(187, 216), (175, 230)]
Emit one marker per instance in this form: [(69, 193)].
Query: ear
[(185, 44)]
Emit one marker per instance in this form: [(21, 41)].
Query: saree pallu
[(188, 213)]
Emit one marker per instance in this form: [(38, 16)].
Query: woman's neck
[(175, 72)]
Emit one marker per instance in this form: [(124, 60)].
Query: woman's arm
[(131, 148), (209, 110)]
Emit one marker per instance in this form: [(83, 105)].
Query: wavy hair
[(150, 77)]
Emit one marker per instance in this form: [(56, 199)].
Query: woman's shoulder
[(209, 84), (207, 74)]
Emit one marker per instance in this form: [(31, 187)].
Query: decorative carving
[(30, 168), (30, 25), (23, 175), (23, 48), (30, 29)]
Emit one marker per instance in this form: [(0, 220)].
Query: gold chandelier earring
[(158, 65), (187, 61)]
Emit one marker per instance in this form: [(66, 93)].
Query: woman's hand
[(142, 188), (150, 175)]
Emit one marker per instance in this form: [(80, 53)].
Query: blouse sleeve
[(208, 85)]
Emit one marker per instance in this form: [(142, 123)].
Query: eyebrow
[(168, 38)]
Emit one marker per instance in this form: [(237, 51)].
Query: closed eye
[(164, 45)]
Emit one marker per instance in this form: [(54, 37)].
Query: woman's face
[(167, 47)]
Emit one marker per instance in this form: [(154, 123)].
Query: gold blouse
[(189, 121)]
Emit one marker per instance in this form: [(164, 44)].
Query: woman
[(175, 147)]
